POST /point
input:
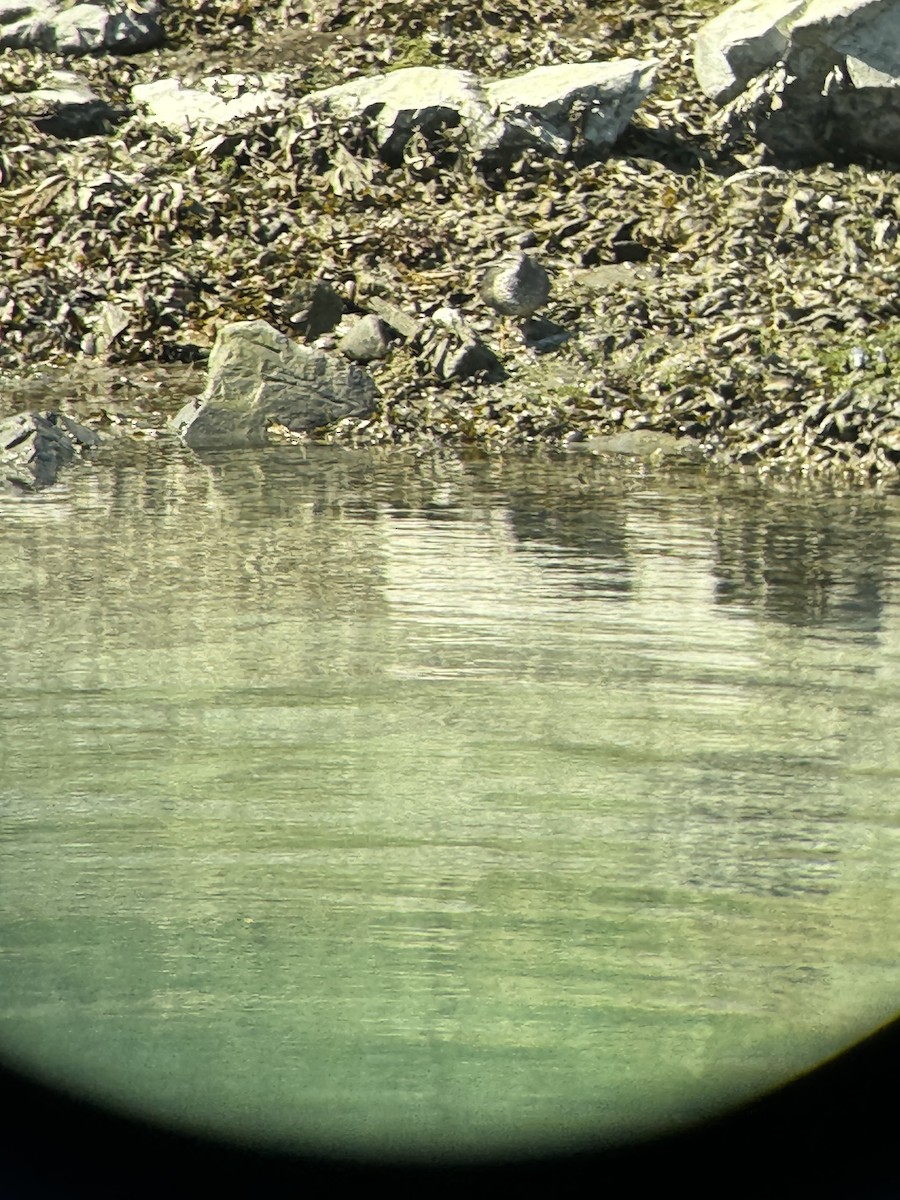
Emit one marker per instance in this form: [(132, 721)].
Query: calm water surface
[(391, 805)]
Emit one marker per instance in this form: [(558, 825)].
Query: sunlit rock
[(415, 99), (742, 42), (258, 377), (214, 102), (808, 79), (122, 28), (549, 108)]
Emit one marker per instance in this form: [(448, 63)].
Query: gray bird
[(516, 285)]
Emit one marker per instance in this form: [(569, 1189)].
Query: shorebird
[(515, 286)]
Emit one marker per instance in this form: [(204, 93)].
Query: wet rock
[(35, 446), (808, 79), (66, 108), (642, 443), (122, 28), (258, 377), (368, 339)]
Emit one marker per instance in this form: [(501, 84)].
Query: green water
[(396, 806)]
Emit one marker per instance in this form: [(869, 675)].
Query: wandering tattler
[(516, 285)]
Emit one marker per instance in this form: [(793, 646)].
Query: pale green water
[(384, 805)]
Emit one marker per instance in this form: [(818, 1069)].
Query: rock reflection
[(797, 555), (326, 771)]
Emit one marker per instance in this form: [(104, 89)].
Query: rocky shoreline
[(701, 287)]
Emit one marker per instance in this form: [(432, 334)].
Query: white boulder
[(216, 101)]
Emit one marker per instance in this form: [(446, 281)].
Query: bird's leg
[(507, 327)]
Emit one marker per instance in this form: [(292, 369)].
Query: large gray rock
[(742, 42), (258, 377), (415, 99), (808, 78), (35, 446), (367, 340), (548, 109), (120, 26)]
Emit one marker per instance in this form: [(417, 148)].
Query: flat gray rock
[(258, 377)]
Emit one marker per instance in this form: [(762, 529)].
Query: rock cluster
[(708, 280), (546, 109), (34, 446)]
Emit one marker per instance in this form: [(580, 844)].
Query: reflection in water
[(384, 801)]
